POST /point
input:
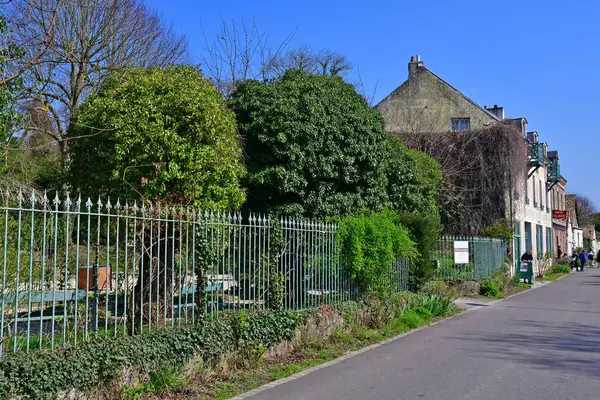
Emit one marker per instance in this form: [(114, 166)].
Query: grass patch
[(554, 276)]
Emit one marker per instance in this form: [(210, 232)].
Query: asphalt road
[(543, 344)]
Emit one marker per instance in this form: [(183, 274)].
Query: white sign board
[(524, 267), (461, 252)]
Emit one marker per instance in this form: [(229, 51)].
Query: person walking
[(559, 252), (590, 256), (574, 261), (582, 259)]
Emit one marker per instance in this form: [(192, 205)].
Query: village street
[(542, 344)]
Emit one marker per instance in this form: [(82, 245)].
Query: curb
[(351, 354)]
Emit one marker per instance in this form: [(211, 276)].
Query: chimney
[(498, 112), (414, 64)]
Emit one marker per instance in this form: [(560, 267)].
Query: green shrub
[(171, 138), (43, 374), (313, 146), (369, 243), (160, 381), (560, 269), (437, 306), (424, 313), (423, 230), (489, 288), (411, 319), (503, 279)]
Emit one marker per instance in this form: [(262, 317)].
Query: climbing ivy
[(276, 277), (42, 375)]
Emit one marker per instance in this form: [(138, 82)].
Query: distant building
[(426, 103), (559, 211), (574, 231)]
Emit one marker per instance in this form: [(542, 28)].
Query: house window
[(539, 241), (541, 195), (461, 124), (534, 194)]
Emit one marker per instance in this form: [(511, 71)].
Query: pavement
[(541, 344)]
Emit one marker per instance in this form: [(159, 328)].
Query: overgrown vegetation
[(489, 288), (500, 230), (44, 374), (475, 188), (369, 243)]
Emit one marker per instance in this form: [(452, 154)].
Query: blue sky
[(538, 59)]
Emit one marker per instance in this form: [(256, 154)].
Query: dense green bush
[(313, 146), (437, 305), (560, 269), (159, 134), (489, 288), (369, 243), (43, 374), (413, 179), (424, 230)]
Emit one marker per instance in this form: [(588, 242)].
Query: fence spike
[(108, 204), (135, 208), (33, 199), (68, 203), (45, 199), (78, 202), (89, 204), (118, 205), (56, 201), (99, 204)]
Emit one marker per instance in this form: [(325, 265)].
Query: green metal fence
[(486, 256), (72, 270)]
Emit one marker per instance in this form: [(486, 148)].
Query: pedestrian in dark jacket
[(582, 259)]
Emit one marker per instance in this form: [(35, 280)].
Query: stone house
[(427, 103)]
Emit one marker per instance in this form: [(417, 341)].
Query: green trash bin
[(525, 271)]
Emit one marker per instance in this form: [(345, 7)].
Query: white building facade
[(533, 209)]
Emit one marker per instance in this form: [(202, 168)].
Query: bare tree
[(38, 45), (331, 63), (586, 211), (240, 52), (475, 195), (90, 39)]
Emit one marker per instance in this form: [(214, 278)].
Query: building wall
[(535, 212), (559, 227), (426, 103)]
